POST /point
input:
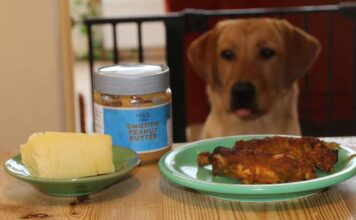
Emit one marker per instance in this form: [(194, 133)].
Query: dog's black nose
[(242, 95)]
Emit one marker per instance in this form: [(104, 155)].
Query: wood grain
[(146, 195)]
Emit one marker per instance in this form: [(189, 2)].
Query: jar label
[(141, 129)]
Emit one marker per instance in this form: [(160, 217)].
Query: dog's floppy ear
[(201, 53), (302, 49)]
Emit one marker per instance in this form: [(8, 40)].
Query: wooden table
[(146, 195)]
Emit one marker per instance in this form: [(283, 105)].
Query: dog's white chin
[(243, 112)]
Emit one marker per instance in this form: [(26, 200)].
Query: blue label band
[(141, 129)]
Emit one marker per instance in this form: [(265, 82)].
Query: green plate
[(180, 167), (125, 160)]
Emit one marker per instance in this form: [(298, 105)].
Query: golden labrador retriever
[(252, 67)]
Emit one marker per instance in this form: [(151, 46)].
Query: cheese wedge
[(60, 155)]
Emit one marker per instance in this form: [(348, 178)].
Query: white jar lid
[(131, 79)]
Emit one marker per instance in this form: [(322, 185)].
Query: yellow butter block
[(60, 155)]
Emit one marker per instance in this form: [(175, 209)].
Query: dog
[(251, 68)]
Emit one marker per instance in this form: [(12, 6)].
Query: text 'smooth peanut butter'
[(132, 103)]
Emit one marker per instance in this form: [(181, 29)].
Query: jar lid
[(131, 79)]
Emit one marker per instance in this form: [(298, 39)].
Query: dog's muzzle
[(243, 96)]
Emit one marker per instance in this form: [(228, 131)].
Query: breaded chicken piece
[(256, 168), (272, 160), (319, 153)]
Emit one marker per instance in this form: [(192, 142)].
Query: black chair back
[(177, 25)]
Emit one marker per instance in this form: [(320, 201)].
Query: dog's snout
[(243, 95)]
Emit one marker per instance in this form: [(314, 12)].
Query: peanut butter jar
[(132, 103)]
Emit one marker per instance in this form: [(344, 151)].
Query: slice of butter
[(60, 155)]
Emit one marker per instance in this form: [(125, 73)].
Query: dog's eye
[(267, 53), (227, 54)]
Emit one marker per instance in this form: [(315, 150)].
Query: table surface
[(146, 195)]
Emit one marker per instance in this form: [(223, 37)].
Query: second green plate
[(180, 167)]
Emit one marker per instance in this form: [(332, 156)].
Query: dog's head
[(249, 63)]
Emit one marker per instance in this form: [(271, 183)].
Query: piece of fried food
[(256, 168), (319, 153), (271, 160)]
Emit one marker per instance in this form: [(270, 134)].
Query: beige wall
[(34, 70)]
